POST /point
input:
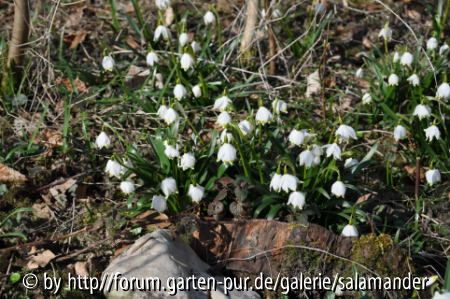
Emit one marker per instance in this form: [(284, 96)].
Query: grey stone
[(166, 258)]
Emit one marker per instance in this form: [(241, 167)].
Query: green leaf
[(447, 276), (158, 147), (265, 202), (274, 211), (14, 235), (14, 277)]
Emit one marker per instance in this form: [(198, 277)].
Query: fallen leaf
[(40, 259), (81, 269), (9, 175), (41, 210), (132, 42), (78, 84), (75, 39), (312, 84)]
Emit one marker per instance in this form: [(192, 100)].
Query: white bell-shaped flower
[(196, 193), (152, 58), (385, 33), (359, 73), (170, 116), (296, 137), (162, 4), (162, 111), (345, 132), (413, 80), (432, 44), (333, 150), (289, 182), (127, 187), (102, 141), (279, 106), (432, 132), (187, 161), (159, 203), (226, 137), (399, 132), (179, 91), (441, 295), (297, 200), (169, 186), (195, 47), (407, 59), (306, 158), (338, 189), (114, 169), (443, 91), (246, 127), (275, 182), (317, 150), (393, 80), (350, 162), (350, 231), (171, 151), (226, 154), (443, 49), (263, 115), (209, 18), (197, 91), (433, 176), (396, 57), (366, 98), (183, 39), (108, 63), (186, 61), (422, 111), (161, 31), (222, 103), (223, 119)]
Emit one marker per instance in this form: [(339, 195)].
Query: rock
[(163, 256)]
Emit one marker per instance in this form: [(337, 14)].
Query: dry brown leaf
[(364, 198), (41, 210), (313, 84), (79, 85), (9, 175), (132, 42), (75, 39), (81, 269), (411, 170), (40, 259)]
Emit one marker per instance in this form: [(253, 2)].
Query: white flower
[(431, 280), (338, 189), (263, 115), (433, 176), (209, 18), (366, 99), (195, 47), (171, 152), (413, 80), (317, 150), (222, 103), (443, 49), (393, 80), (161, 31), (197, 91), (159, 203), (226, 137), (159, 81), (275, 182), (170, 116), (226, 154), (162, 111), (422, 111), (306, 158), (396, 57), (152, 58), (183, 39), (179, 91), (102, 141), (162, 4), (406, 59), (443, 91), (385, 33), (350, 162), (186, 61), (432, 44), (296, 137), (399, 133), (114, 169), (196, 193), (297, 200), (444, 295), (432, 132), (345, 132), (333, 150), (245, 126), (223, 119), (108, 63), (127, 187), (279, 106), (359, 73), (169, 186), (187, 161), (289, 182), (350, 231)]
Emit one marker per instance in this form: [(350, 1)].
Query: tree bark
[(19, 35), (249, 29)]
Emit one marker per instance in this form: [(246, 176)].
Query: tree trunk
[(19, 35), (250, 26)]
